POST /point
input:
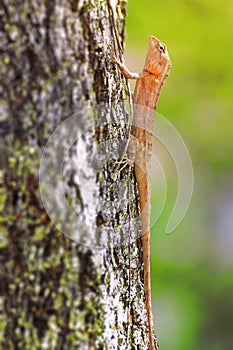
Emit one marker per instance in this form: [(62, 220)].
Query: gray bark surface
[(80, 286)]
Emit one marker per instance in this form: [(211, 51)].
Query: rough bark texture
[(80, 288)]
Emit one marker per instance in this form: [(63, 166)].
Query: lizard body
[(146, 95)]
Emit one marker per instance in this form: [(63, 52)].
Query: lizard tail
[(147, 281)]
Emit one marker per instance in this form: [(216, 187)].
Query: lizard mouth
[(153, 38)]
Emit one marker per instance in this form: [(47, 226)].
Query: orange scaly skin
[(146, 94)]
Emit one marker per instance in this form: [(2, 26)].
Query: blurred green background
[(192, 267)]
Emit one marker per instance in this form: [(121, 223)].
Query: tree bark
[(71, 274)]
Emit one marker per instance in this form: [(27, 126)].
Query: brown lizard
[(146, 94)]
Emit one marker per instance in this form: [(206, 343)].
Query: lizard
[(146, 94)]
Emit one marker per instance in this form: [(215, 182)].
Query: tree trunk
[(71, 270)]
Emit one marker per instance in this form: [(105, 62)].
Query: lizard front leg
[(124, 70)]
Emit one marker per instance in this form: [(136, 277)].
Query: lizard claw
[(124, 162)]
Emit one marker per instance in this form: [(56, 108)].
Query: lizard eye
[(161, 47)]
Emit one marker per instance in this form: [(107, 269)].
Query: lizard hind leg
[(128, 159), (117, 170)]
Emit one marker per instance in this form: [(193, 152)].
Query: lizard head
[(158, 61)]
